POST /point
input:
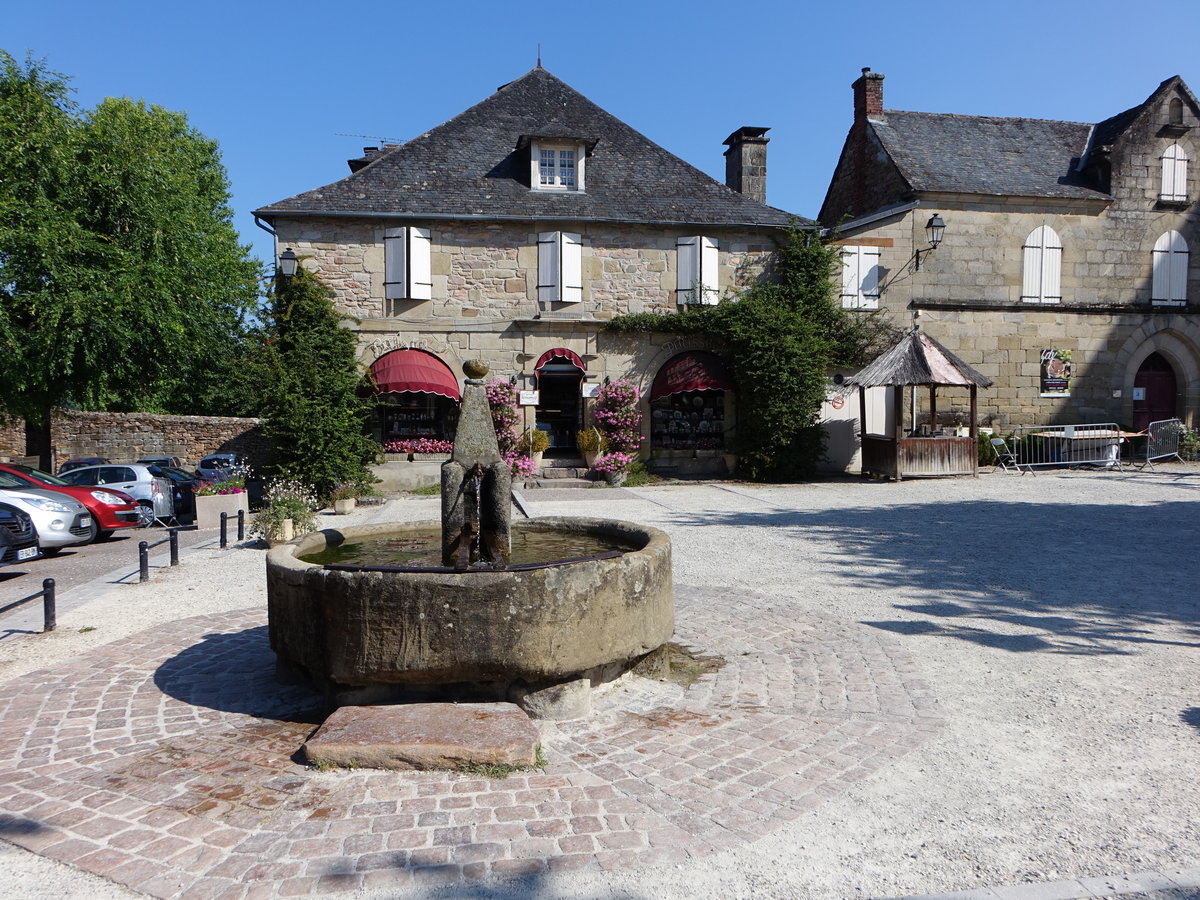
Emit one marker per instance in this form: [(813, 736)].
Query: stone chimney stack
[(746, 162), (868, 96)]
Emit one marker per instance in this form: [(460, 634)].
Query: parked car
[(218, 466), (162, 461), (111, 508), (184, 485), (59, 520), (18, 537), (80, 462), (152, 492)]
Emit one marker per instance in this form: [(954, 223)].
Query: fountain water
[(476, 627)]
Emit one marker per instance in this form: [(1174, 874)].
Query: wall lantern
[(287, 263), (933, 233)]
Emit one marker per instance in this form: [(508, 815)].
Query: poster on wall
[(1056, 373)]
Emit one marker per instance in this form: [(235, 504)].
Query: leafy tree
[(315, 414), (122, 281), (782, 336)]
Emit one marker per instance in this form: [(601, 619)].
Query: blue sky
[(289, 89)]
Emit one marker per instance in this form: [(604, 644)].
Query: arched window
[(1169, 284), (1175, 112), (1174, 174), (1043, 267)]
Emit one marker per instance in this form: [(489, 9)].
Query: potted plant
[(614, 467), (344, 497), (534, 443), (290, 512), (591, 444), (216, 497)]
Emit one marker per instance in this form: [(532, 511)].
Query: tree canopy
[(122, 281)]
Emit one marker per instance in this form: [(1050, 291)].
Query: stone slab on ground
[(425, 736)]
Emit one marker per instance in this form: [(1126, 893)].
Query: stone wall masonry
[(124, 437)]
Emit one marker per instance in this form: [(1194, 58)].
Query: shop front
[(416, 401), (691, 414), (559, 375)]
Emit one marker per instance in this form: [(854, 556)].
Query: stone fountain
[(480, 626)]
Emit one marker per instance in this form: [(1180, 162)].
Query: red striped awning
[(696, 370), (560, 353), (414, 371)]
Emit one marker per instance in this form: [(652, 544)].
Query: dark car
[(80, 462), (18, 537), (111, 508), (183, 485)]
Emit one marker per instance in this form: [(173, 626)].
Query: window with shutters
[(407, 270), (696, 265), (556, 167), (1041, 282), (1169, 281), (1174, 175), (560, 267), (860, 277)]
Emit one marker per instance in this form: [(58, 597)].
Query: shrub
[(534, 441), (591, 440), (618, 416), (502, 398), (612, 462)]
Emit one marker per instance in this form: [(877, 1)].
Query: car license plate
[(28, 553), (85, 521)]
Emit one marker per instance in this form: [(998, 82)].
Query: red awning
[(560, 353), (414, 371), (696, 370)]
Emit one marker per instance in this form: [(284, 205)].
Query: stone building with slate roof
[(1069, 268), (512, 233)]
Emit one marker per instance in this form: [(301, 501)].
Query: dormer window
[(556, 164)]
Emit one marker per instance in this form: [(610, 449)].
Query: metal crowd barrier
[(1161, 442), (1069, 445), (49, 607)]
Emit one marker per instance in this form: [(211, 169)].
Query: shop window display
[(691, 420), (416, 415)]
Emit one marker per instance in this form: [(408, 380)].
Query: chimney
[(746, 162), (868, 96)]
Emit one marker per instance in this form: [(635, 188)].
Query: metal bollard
[(224, 531), (241, 524), (174, 533), (143, 561), (49, 612)]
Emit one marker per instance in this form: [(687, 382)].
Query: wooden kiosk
[(917, 360)]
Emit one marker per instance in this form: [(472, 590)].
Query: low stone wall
[(123, 437)]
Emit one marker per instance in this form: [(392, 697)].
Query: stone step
[(563, 462), (563, 472), (534, 483)]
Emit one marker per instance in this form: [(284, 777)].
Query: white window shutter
[(1042, 274), (395, 263), (580, 161), (710, 257), (687, 252), (420, 271), (1174, 174), (548, 268), (850, 278), (1051, 274), (1169, 282), (571, 267), (535, 165), (868, 266), (1179, 267)]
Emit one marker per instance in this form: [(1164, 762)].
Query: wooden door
[(1154, 392)]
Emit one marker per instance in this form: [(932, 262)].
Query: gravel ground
[(1055, 618)]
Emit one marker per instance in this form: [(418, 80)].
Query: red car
[(112, 509)]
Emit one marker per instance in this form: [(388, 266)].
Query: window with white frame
[(556, 167), (560, 267), (1174, 175), (697, 279), (1042, 278), (860, 277), (1169, 282), (407, 271)]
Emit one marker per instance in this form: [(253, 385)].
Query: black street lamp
[(933, 233), (287, 263)]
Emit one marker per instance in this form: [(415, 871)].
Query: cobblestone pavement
[(169, 762)]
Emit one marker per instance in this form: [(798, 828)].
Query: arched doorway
[(416, 400), (1154, 391), (559, 374)]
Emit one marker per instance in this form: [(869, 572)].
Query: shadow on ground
[(235, 672), (1020, 577)]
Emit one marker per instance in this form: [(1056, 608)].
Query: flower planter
[(286, 532), (344, 507), (590, 456), (210, 506), (615, 479)]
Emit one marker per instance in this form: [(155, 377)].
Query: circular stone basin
[(511, 631)]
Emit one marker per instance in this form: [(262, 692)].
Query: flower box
[(210, 506)]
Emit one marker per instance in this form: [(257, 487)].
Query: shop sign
[(529, 398), (1056, 373), (589, 391)]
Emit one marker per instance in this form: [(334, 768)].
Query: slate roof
[(917, 359), (472, 166), (985, 154)]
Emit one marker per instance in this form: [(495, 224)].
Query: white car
[(59, 520), (153, 492)]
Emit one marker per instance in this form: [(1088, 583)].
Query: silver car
[(59, 520), (152, 492)]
